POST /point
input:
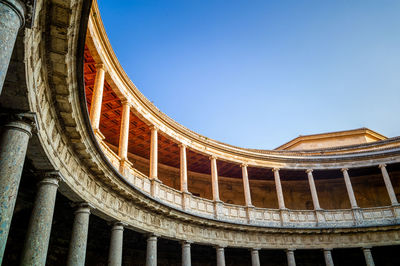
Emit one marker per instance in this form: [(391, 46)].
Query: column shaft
[(124, 132), (388, 184), (97, 97), (38, 235), (154, 153), (290, 257), (313, 189), (183, 168), (328, 257), (278, 186), (220, 256), (349, 188), (151, 254), (368, 257), (255, 259), (214, 178), (12, 15), (116, 245), (77, 245), (186, 257), (246, 185), (13, 145)]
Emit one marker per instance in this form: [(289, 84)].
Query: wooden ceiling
[(168, 149)]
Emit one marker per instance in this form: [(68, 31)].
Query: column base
[(155, 183), (320, 215), (124, 164), (186, 195), (284, 212), (358, 217), (249, 213), (396, 212), (218, 209)]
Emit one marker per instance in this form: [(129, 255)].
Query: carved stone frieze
[(70, 146)]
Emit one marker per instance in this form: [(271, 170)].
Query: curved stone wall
[(90, 172), (70, 146)]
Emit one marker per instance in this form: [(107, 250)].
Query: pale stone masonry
[(71, 156)]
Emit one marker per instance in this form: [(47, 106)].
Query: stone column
[(77, 245), (313, 189), (124, 136), (328, 257), (116, 241), (290, 257), (246, 185), (151, 254), (369, 260), (12, 18), (220, 256), (154, 153), (255, 259), (38, 235), (124, 132), (183, 168), (214, 178), (186, 257), (349, 188), (388, 184), (13, 145), (97, 97), (278, 186)]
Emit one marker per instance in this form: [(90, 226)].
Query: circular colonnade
[(130, 164)]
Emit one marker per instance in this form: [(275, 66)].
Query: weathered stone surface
[(151, 252), (116, 245), (11, 19), (38, 235), (13, 145), (77, 247)]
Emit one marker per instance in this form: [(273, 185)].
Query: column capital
[(220, 247), (154, 128), (125, 102), (25, 122), (100, 66), (327, 249), (182, 145), (344, 169), (275, 169), (309, 171), (244, 165), (212, 157), (52, 177), (152, 236), (82, 207), (290, 249), (366, 248), (382, 165), (19, 8), (255, 249), (117, 225), (186, 242)]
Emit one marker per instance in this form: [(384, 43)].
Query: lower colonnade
[(38, 233), (91, 172), (37, 238)]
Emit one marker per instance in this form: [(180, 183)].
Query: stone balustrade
[(138, 202), (319, 218)]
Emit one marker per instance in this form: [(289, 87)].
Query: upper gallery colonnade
[(121, 176)]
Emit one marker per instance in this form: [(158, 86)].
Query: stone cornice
[(70, 146), (357, 155)]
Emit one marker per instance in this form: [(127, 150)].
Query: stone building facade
[(92, 172)]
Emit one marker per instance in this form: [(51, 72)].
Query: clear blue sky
[(258, 73)]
